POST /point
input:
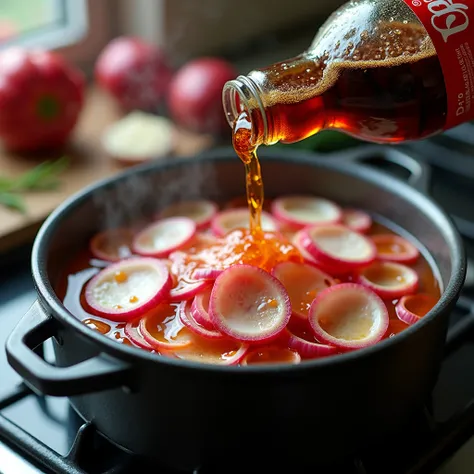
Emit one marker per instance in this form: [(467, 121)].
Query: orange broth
[(263, 249)]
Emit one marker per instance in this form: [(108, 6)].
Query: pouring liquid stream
[(247, 152)]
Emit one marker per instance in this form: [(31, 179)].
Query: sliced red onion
[(310, 350), (185, 286), (165, 236), (302, 283), (334, 269), (185, 290), (338, 246), (189, 321), (232, 219), (200, 211), (394, 248), (163, 329), (297, 242), (127, 289), (112, 245), (271, 355), (411, 308), (348, 316), (249, 304), (212, 351), (207, 273), (389, 280), (356, 220), (301, 211), (200, 309), (132, 331)]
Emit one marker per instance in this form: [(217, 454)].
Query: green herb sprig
[(43, 177)]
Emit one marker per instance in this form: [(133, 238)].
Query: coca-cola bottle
[(383, 71)]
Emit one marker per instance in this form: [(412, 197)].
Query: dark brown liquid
[(389, 89)]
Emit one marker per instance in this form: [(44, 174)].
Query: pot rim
[(48, 297)]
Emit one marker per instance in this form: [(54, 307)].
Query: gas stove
[(45, 435)]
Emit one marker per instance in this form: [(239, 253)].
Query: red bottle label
[(450, 24)]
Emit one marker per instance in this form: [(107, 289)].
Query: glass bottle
[(384, 71)]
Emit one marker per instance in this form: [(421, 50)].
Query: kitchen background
[(183, 32), (240, 36)]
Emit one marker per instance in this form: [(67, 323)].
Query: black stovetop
[(43, 434)]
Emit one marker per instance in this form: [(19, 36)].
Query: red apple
[(41, 99), (134, 72), (195, 94)]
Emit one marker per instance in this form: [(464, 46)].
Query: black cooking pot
[(187, 414)]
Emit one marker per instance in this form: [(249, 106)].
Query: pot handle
[(101, 372), (419, 172)]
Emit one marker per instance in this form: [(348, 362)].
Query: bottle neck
[(243, 94), (283, 101)]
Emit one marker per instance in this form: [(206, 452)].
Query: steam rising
[(141, 195)]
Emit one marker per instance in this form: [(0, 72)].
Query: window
[(78, 29), (49, 24)]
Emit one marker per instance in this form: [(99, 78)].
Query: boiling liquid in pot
[(71, 288)]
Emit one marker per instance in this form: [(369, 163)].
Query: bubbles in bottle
[(391, 43)]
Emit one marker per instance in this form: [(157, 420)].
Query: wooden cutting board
[(88, 164)]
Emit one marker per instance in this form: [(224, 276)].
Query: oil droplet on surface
[(120, 277), (97, 325)]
